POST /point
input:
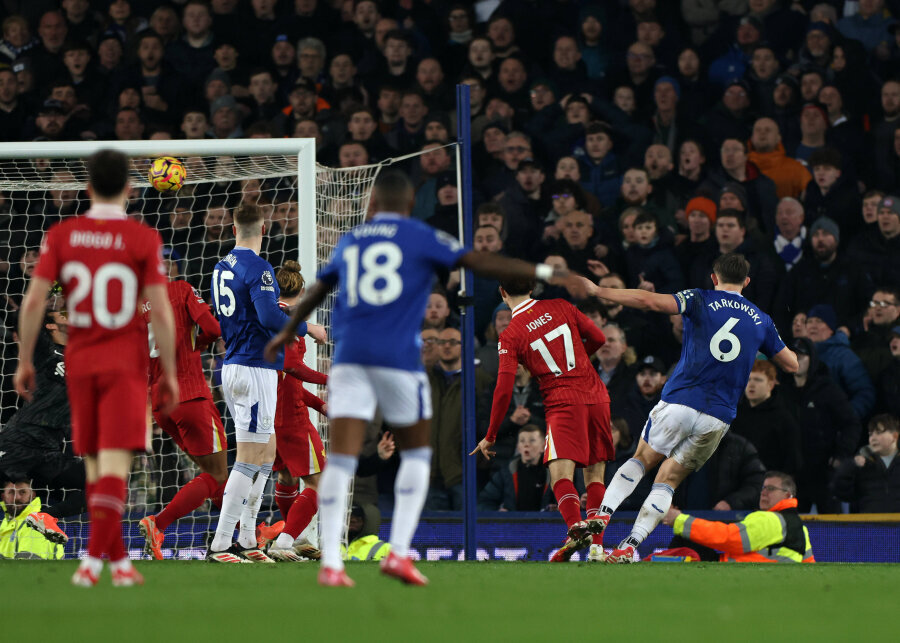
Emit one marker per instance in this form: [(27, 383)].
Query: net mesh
[(195, 225)]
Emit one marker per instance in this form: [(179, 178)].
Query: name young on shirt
[(96, 240), (546, 318), (231, 260), (388, 230), (736, 305)]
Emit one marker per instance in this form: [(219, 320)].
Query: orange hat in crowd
[(706, 206)]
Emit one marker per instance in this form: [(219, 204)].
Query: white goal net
[(307, 206)]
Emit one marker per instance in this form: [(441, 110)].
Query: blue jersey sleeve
[(688, 302), (441, 248), (772, 344), (261, 286)]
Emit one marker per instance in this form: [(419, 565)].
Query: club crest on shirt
[(267, 278)]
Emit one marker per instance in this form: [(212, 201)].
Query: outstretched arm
[(787, 360), (497, 266), (314, 296), (634, 298), (502, 396)]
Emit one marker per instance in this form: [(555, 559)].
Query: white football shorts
[(683, 433), (355, 391), (251, 394)]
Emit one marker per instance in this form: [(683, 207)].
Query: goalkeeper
[(32, 444), (774, 534)]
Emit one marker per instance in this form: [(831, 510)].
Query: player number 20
[(378, 283), (97, 285), (541, 347), (723, 335)]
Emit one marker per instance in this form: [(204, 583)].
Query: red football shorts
[(299, 449), (195, 426), (109, 411), (579, 432)]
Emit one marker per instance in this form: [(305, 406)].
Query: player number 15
[(221, 291)]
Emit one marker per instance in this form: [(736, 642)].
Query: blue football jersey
[(245, 295), (384, 270), (723, 332)]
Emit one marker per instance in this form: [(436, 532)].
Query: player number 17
[(541, 347)]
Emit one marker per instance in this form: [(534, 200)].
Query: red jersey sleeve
[(297, 368), (593, 337), (502, 397), (313, 401), (199, 311), (508, 351), (48, 262), (153, 271)]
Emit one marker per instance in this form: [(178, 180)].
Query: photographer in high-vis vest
[(774, 534)]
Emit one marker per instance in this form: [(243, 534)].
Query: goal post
[(42, 182)]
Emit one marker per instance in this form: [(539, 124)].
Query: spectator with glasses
[(872, 345), (445, 492), (774, 534)]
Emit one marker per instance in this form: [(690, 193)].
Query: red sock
[(595, 493), (302, 511), (106, 505), (568, 501), (188, 498), (285, 495), (216, 498)]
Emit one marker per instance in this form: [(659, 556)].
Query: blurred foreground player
[(194, 424), (553, 339), (384, 269), (722, 334), (300, 454), (104, 262), (246, 298)]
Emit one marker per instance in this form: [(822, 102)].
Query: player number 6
[(722, 335)]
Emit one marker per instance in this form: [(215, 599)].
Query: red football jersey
[(293, 398), (103, 261), (189, 310), (546, 336)]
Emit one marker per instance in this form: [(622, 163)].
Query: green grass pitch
[(496, 601)]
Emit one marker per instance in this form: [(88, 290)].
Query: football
[(166, 174)]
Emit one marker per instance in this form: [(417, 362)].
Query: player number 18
[(378, 283)]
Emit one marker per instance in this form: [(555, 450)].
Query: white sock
[(334, 487), (651, 514), (410, 489), (623, 485), (233, 500), (284, 541), (122, 565), (95, 565), (247, 537)]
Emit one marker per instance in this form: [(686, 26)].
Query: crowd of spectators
[(633, 141)]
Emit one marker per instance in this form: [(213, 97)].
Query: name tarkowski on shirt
[(737, 305)]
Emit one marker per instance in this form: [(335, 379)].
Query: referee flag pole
[(464, 179)]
